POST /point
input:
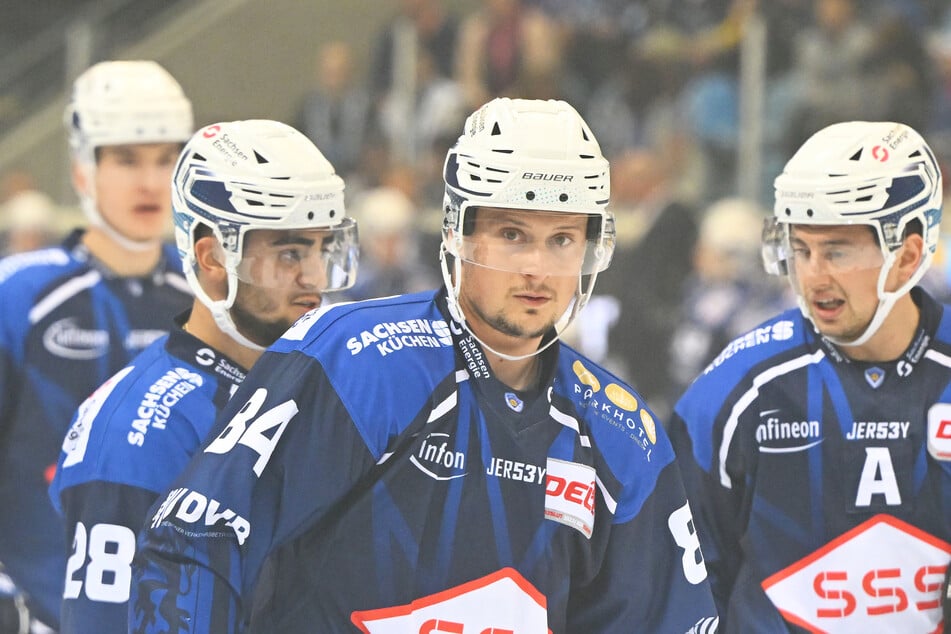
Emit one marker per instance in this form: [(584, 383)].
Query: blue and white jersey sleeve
[(67, 324), (126, 443)]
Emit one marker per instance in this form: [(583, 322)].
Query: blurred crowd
[(659, 81)]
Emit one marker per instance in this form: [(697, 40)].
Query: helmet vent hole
[(788, 211), (310, 215), (584, 135), (857, 156), (563, 198), (333, 213), (261, 160), (530, 195), (198, 157), (495, 129), (586, 156), (809, 213)]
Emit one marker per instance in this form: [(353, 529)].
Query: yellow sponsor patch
[(585, 376), (648, 422), (621, 397)]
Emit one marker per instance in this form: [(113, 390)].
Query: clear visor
[(812, 251), (317, 259), (534, 242)]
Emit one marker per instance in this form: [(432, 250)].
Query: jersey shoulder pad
[(137, 427), (766, 341), (25, 274), (624, 429), (943, 333), (325, 327), (383, 357)]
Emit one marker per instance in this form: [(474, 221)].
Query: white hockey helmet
[(239, 176), (880, 174), (527, 154), (120, 103)]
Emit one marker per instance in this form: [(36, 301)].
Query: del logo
[(882, 576), (569, 495), (517, 607), (939, 431)]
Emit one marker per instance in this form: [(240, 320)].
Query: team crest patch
[(514, 402), (875, 377)]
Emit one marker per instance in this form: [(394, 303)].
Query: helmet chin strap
[(90, 207), (886, 301), (221, 309), (453, 285)]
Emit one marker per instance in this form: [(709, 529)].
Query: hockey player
[(262, 230), (72, 315), (817, 447), (440, 461)]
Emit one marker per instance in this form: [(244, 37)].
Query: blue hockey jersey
[(125, 446), (66, 325), (821, 486), (372, 475)]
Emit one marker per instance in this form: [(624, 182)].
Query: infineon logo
[(884, 575)]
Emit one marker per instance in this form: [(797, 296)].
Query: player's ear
[(80, 177), (210, 258), (912, 250)]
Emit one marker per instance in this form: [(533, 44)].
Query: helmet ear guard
[(880, 174)]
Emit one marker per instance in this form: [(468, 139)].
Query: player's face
[(520, 272), (836, 271), (281, 276), (132, 188)]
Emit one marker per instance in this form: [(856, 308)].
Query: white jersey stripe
[(749, 396), (63, 293), (938, 357)]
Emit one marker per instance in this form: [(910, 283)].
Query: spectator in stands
[(337, 112), (507, 47), (390, 259), (831, 55), (419, 27), (726, 293)]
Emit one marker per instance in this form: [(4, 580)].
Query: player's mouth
[(827, 308), (534, 300), (146, 208), (307, 302)]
